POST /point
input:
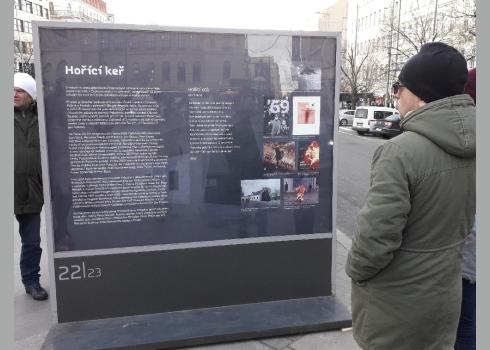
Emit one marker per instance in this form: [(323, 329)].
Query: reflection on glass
[(163, 152)]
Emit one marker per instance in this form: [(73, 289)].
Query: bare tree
[(361, 73), (23, 54), (451, 23), (464, 33)]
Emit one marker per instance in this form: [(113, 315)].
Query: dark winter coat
[(28, 186), (405, 260)]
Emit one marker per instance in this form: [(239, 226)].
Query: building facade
[(24, 13), (383, 34), (93, 11), (334, 19)]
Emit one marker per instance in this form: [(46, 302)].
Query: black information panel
[(168, 136), (159, 137)]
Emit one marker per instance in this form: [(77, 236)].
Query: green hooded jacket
[(28, 185), (405, 259)]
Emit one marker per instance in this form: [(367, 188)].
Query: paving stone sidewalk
[(33, 319)]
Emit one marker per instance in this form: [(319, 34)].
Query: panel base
[(202, 326)]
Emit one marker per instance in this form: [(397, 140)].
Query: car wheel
[(386, 137), (343, 122), (361, 133)]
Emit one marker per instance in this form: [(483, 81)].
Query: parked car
[(366, 116), (388, 127), (346, 116)]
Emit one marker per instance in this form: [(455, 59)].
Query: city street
[(354, 154), (33, 319), (205, 184)]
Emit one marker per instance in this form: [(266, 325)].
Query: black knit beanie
[(436, 71)]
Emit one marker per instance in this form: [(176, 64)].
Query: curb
[(344, 240)]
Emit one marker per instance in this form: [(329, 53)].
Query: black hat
[(436, 71)]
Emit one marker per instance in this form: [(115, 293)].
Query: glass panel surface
[(158, 137)]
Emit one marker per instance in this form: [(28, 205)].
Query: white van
[(365, 117)]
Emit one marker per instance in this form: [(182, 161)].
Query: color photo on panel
[(261, 193), (309, 156), (279, 157), (306, 115), (300, 191)]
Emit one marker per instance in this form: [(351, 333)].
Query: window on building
[(18, 25), (150, 71), (226, 70), (181, 72), (103, 42), (166, 71), (28, 7), (181, 40), (38, 10), (16, 46), (23, 47), (46, 14), (196, 73), (227, 42), (136, 69), (173, 180), (17, 4), (27, 27), (238, 41), (195, 41), (165, 41), (133, 43)]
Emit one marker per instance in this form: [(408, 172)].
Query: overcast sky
[(247, 14)]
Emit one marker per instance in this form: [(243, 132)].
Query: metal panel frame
[(37, 25)]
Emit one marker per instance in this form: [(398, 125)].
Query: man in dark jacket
[(28, 187), (405, 259)]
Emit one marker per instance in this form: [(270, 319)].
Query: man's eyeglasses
[(396, 87)]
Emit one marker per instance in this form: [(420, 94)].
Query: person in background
[(405, 258), (28, 187), (276, 126), (300, 193), (466, 335)]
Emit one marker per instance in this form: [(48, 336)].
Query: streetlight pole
[(435, 20), (354, 66), (395, 71), (390, 44)]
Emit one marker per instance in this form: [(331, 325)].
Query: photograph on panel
[(306, 115), (300, 191), (261, 193), (308, 156), (276, 117), (279, 157)]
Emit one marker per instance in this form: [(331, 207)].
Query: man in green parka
[(28, 187), (405, 260)]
